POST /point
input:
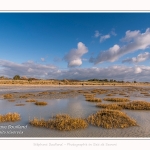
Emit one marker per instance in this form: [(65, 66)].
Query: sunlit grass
[(8, 96), (116, 99), (136, 105), (111, 119), (10, 117), (41, 103), (62, 122), (109, 106)]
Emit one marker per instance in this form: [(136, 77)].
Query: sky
[(110, 45)]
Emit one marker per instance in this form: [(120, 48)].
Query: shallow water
[(75, 107)]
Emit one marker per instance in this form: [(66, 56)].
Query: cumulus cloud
[(74, 57), (32, 69), (29, 69), (107, 55), (138, 73), (141, 57), (136, 41), (104, 37), (138, 70), (97, 34)]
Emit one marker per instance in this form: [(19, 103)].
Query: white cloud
[(141, 57), (138, 70), (107, 55), (138, 73), (113, 32), (31, 69), (137, 41), (73, 58), (130, 35), (97, 34), (104, 37), (42, 59)]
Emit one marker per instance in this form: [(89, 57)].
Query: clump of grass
[(94, 99), (115, 99), (136, 105), (91, 98), (44, 93), (20, 104), (61, 122), (109, 106), (24, 96), (147, 94), (40, 103), (8, 96), (31, 100), (110, 95), (10, 117), (111, 119), (122, 93), (144, 93)]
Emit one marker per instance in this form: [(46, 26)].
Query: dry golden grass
[(20, 104), (44, 93), (40, 103), (93, 99), (110, 95), (10, 117), (136, 105), (109, 106), (31, 100), (111, 119), (147, 94), (28, 95), (122, 93), (24, 96), (62, 122), (8, 96), (116, 99)]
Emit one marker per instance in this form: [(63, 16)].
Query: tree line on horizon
[(18, 77)]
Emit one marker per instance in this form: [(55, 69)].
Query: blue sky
[(75, 45)]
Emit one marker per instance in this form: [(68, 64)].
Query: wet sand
[(72, 103)]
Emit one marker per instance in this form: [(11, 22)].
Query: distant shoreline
[(70, 85)]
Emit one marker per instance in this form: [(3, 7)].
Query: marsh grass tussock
[(20, 104), (8, 96), (31, 100), (111, 119), (10, 117), (109, 106), (40, 103), (92, 98), (136, 105), (62, 122), (116, 99)]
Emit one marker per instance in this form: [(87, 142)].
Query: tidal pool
[(74, 106)]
